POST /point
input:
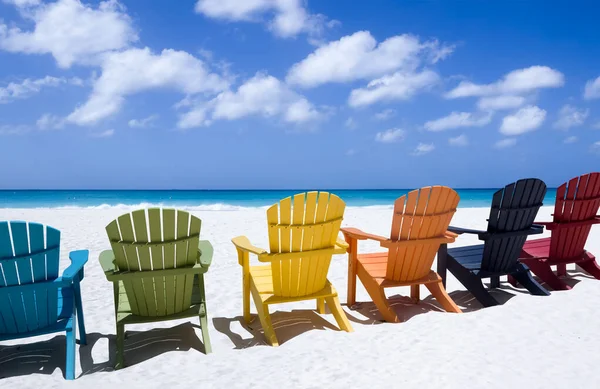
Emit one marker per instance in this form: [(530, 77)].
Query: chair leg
[(120, 346), (442, 262), (79, 312), (561, 270), (70, 360), (472, 283), (545, 273), (339, 314), (204, 329), (511, 280), (321, 306), (378, 296), (524, 277), (246, 298), (264, 317), (352, 263), (439, 292), (591, 266), (495, 282), (415, 293)]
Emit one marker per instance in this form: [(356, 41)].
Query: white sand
[(532, 342)]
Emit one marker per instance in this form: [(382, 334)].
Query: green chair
[(157, 265)]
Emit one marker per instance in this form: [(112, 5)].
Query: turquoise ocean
[(214, 199)]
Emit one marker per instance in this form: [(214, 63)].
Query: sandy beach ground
[(528, 342)]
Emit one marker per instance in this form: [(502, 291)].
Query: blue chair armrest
[(75, 270)]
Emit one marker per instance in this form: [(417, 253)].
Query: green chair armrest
[(205, 250)]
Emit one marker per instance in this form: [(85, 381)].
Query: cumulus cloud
[(142, 123), (8, 129), (571, 139), (50, 122), (290, 17), (261, 95), (458, 120), (385, 114), (505, 143), (497, 103), (103, 134), (390, 136), (29, 87), (592, 89), (595, 148), (71, 31), (460, 141), (570, 116), (398, 86), (524, 120), (423, 148), (359, 57), (516, 82), (134, 70)]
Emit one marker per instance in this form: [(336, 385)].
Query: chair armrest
[(242, 243), (460, 231), (75, 270), (341, 244), (107, 262), (205, 250), (355, 233)]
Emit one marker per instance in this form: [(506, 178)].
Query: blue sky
[(297, 94)]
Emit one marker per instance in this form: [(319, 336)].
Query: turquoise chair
[(34, 300)]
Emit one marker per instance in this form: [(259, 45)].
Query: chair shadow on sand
[(44, 357), (287, 326)]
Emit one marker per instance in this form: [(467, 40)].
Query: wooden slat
[(21, 247), (285, 214), (168, 223), (13, 313), (38, 264), (322, 204), (274, 246), (307, 241), (181, 256), (52, 260), (155, 225), (297, 234), (411, 259), (134, 288), (394, 266), (145, 261), (195, 225)]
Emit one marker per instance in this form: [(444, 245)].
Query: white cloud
[(423, 148), (592, 89), (524, 120), (103, 134), (596, 147), (131, 71), (385, 114), (570, 116), (290, 17), (497, 103), (458, 120), (142, 123), (398, 86), (390, 136), (359, 56), (596, 126), (351, 123), (505, 143), (71, 31), (22, 3), (50, 122), (460, 141), (27, 88), (515, 82), (8, 129), (262, 95), (571, 139)]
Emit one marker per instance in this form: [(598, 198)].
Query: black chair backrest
[(514, 209)]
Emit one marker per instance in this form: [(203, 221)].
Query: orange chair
[(419, 227)]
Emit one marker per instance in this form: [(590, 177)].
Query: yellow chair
[(303, 235)]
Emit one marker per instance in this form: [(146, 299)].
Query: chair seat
[(262, 280), (124, 313), (537, 248), (375, 264), (469, 257)]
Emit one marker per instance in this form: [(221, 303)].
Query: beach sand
[(529, 341)]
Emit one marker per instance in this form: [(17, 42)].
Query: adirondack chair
[(34, 300), (419, 226), (511, 220), (156, 276), (575, 211), (302, 239)]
